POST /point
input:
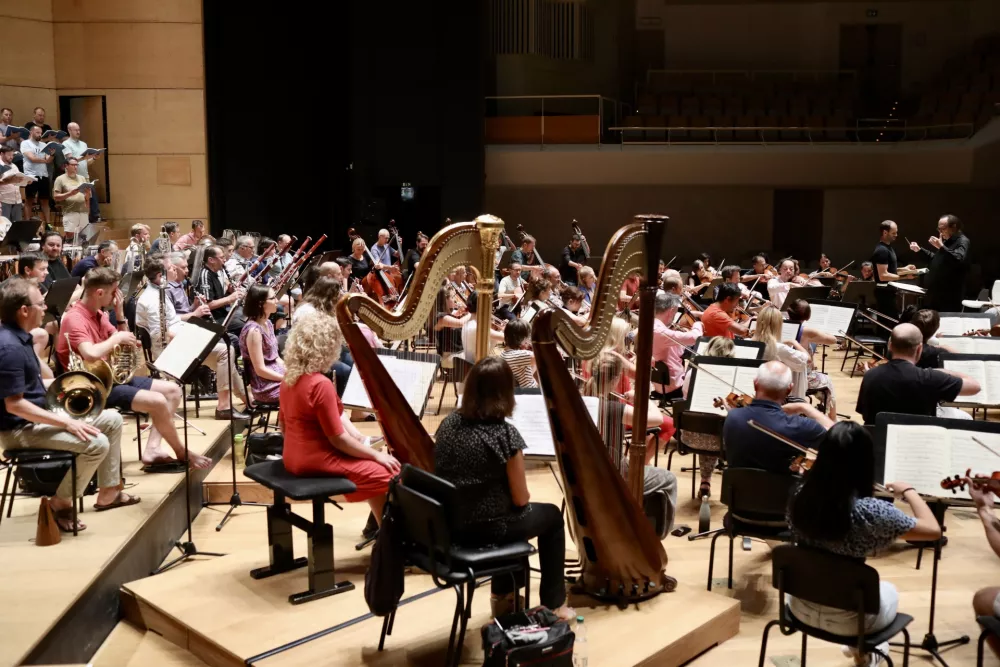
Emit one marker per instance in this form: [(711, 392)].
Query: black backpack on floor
[(551, 644)]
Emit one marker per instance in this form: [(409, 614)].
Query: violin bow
[(863, 347), (985, 446)]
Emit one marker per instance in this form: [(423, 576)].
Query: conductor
[(949, 264)]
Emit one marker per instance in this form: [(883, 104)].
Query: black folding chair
[(828, 579), (422, 499), (686, 421), (756, 500)]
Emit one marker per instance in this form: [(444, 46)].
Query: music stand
[(21, 233), (931, 644), (180, 360), (806, 294), (59, 294), (861, 293)]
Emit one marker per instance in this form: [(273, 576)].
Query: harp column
[(489, 227), (655, 228)]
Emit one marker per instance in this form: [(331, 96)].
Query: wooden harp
[(464, 243), (621, 555)]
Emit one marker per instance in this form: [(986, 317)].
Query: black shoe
[(371, 528), (230, 413)]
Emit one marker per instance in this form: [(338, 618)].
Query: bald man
[(899, 386), (383, 253)]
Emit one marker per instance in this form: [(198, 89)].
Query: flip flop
[(118, 502), (168, 466), (67, 516)]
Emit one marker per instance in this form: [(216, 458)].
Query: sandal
[(122, 499), (64, 519)]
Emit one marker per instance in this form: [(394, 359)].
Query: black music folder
[(59, 294), (21, 233)]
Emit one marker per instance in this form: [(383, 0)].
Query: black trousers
[(545, 522)]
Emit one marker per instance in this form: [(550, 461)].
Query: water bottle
[(238, 445), (580, 644)]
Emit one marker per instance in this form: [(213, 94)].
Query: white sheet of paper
[(790, 330), (176, 357), (744, 379), (531, 419), (831, 319), (739, 351), (917, 455), (711, 382), (904, 287), (985, 344), (956, 326), (960, 344), (413, 378), (976, 369), (992, 385)]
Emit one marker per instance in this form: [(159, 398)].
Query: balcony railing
[(552, 119), (789, 135)]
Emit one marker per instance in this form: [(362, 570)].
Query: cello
[(383, 285)]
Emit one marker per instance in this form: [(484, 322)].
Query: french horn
[(82, 391)]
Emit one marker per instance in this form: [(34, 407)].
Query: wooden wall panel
[(26, 54), (180, 11), (137, 195), (128, 55), (39, 10), (22, 101)]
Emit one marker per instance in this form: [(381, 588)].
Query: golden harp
[(464, 243), (621, 555)]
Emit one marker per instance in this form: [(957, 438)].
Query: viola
[(732, 401), (958, 483)]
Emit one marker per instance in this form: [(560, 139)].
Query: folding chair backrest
[(147, 342), (660, 374), (696, 422), (461, 368), (426, 522), (825, 578), (748, 490)]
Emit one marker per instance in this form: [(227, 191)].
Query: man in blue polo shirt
[(746, 447), (25, 423)]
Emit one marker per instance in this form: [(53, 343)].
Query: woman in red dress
[(318, 441)]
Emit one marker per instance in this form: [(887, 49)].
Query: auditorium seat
[(711, 106), (690, 106), (701, 135), (792, 135), (646, 104), (836, 126), (632, 121), (769, 135), (677, 121), (733, 106), (964, 119), (814, 124), (656, 122), (755, 106), (669, 105), (724, 122), (746, 121), (939, 123)]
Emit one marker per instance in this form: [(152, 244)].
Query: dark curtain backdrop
[(315, 124)]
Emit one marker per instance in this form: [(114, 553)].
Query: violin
[(732, 401), (995, 331), (957, 483)]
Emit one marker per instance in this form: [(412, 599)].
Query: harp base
[(599, 587)]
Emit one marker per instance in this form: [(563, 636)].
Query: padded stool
[(281, 519)]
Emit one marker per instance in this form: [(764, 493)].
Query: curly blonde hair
[(312, 346)]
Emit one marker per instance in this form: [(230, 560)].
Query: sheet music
[(903, 287), (956, 326), (790, 330), (707, 387), (531, 419), (959, 344), (975, 369), (992, 385), (966, 454), (739, 351), (831, 319), (917, 455), (744, 379), (413, 378), (176, 357)]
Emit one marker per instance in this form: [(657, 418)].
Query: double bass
[(383, 285)]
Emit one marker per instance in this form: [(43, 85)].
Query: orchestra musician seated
[(717, 319), (717, 347), (218, 296), (615, 345), (482, 455), (746, 447), (587, 285), (26, 423), (572, 300), (510, 293), (986, 601), (800, 311), (672, 285), (538, 293), (867, 272), (470, 328), (259, 346), (518, 355), (322, 297), (107, 252), (833, 509), (527, 259), (668, 343), (778, 287), (35, 269), (555, 286), (616, 418), (900, 386), (448, 326), (789, 352), (88, 332), (318, 442), (149, 317)]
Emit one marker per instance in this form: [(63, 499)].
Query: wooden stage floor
[(422, 627), (39, 585)]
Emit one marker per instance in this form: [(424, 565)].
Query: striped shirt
[(522, 363)]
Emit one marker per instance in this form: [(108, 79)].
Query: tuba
[(621, 555), (457, 244), (80, 392)]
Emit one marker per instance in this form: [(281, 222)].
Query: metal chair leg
[(459, 609), (6, 483), (731, 540), (979, 649), (763, 642), (13, 492), (711, 559), (802, 658)]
